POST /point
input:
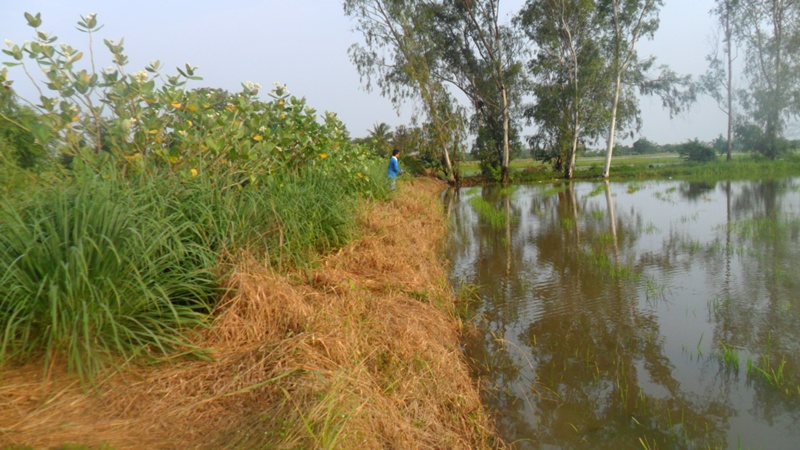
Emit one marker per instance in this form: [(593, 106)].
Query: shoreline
[(361, 351)]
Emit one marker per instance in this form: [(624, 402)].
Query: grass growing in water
[(497, 218), (766, 370), (730, 357)]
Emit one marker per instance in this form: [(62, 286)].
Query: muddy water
[(635, 315)]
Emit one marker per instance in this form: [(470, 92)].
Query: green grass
[(89, 271), (102, 268), (769, 371), (497, 218), (661, 165), (729, 356)]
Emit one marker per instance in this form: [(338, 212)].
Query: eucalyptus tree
[(399, 56), (770, 31), (570, 77), (478, 57), (718, 80), (625, 23)]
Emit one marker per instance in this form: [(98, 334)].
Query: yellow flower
[(76, 118), (153, 131), (280, 102), (323, 155), (192, 108), (283, 116), (194, 172), (189, 122), (257, 137), (176, 105)]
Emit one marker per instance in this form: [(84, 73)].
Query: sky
[(303, 44)]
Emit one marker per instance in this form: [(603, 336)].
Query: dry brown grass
[(360, 352)]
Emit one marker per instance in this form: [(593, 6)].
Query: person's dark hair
[(395, 152)]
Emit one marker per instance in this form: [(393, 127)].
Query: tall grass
[(112, 266), (90, 272), (287, 219)]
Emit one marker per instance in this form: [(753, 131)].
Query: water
[(635, 315)]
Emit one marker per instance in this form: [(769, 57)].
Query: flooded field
[(641, 315)]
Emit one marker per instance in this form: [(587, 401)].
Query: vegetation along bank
[(360, 351), (192, 268)]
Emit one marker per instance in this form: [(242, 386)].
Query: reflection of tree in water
[(498, 268), (572, 359), (593, 345), (694, 190), (753, 265)]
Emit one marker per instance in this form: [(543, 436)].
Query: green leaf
[(41, 132), (34, 21)]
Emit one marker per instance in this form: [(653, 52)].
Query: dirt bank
[(360, 352)]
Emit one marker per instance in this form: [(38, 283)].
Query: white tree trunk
[(613, 128), (506, 149)]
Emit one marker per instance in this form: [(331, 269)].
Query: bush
[(696, 151)]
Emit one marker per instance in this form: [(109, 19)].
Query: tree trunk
[(613, 128), (572, 158), (729, 38), (449, 167), (506, 149)]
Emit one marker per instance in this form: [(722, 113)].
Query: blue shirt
[(394, 168)]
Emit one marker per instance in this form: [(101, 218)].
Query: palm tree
[(381, 138)]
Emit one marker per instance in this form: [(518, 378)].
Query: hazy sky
[(303, 43)]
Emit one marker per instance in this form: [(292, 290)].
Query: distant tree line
[(570, 69)]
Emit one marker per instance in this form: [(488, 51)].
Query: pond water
[(644, 315)]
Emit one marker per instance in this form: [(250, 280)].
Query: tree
[(569, 76), (625, 22), (643, 147), (399, 56), (479, 54), (720, 71), (696, 151), (770, 30), (380, 136)]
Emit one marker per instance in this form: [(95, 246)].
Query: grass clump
[(496, 218), (89, 272)]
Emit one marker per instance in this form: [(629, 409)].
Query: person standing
[(394, 168)]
